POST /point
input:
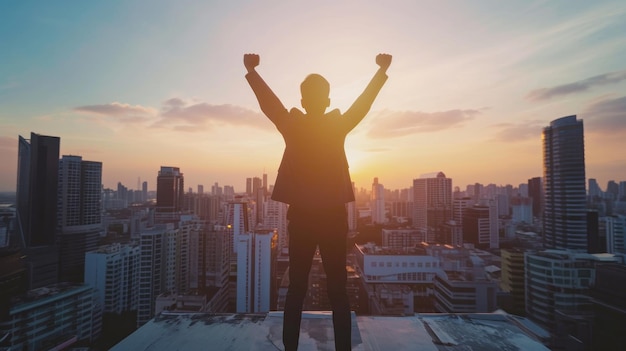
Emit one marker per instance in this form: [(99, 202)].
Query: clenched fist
[(383, 60)]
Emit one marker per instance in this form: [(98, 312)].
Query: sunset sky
[(143, 84)]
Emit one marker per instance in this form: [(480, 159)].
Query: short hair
[(315, 85)]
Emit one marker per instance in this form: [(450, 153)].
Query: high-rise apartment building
[(614, 230), (238, 219), (378, 202), (37, 184), (565, 212), (79, 214), (458, 208), (161, 269), (432, 204), (52, 318), (113, 272), (512, 279), (170, 194), (557, 282), (254, 270)]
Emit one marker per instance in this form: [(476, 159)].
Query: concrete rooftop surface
[(263, 332)]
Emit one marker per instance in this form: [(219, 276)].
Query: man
[(313, 178)]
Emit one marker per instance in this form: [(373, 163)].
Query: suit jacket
[(314, 171)]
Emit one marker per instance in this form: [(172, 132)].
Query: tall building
[(229, 192), (217, 257), (557, 283), (161, 269), (512, 279), (521, 210), (52, 318), (238, 219), (458, 208), (37, 184), (565, 212), (432, 204), (79, 214), (378, 202), (614, 230), (170, 194), (480, 226), (249, 186), (144, 191), (216, 189), (594, 190), (37, 174), (254, 270), (113, 272), (612, 190)]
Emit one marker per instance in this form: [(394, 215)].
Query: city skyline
[(138, 87)]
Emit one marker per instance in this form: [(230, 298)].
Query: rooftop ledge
[(261, 332)]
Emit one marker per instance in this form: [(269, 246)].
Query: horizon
[(141, 85)]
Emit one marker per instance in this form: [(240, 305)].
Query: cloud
[(514, 132), (117, 109), (390, 124), (576, 87), (182, 116), (179, 115), (606, 116)]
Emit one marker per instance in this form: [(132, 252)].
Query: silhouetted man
[(313, 178)]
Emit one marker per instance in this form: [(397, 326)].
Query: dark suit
[(314, 169), (314, 180)]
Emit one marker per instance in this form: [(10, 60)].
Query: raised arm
[(364, 102), (268, 101)]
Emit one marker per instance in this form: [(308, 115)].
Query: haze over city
[(141, 84)]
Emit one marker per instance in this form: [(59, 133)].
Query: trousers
[(309, 229)]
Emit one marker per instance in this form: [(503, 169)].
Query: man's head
[(315, 90)]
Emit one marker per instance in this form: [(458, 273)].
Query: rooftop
[(424, 332)]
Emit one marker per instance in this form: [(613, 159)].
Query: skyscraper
[(378, 202), (432, 204), (37, 176), (564, 220), (79, 214), (535, 192), (238, 219), (170, 193)]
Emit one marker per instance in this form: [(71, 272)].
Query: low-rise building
[(52, 317)]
